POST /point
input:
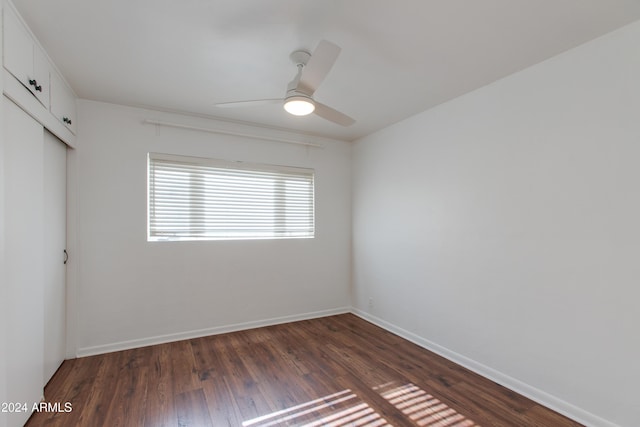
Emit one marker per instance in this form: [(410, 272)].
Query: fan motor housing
[(300, 57)]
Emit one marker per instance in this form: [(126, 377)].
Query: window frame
[(278, 173)]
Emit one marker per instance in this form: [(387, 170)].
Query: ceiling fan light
[(299, 105)]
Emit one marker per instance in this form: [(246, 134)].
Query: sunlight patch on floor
[(423, 408), (336, 410)]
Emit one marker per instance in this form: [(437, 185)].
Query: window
[(192, 198)]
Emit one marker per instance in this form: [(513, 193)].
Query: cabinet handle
[(66, 120), (38, 88), (66, 256), (32, 82)]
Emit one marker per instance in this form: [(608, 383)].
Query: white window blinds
[(192, 198)]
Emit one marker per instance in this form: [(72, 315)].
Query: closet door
[(55, 238), (23, 163)]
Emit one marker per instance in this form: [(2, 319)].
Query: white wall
[(3, 292), (3, 298), (502, 229), (130, 292)]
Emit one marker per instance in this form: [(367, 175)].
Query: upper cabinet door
[(24, 59), (41, 74), (18, 49), (63, 103)]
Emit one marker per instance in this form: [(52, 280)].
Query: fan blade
[(318, 67), (332, 115), (251, 103)]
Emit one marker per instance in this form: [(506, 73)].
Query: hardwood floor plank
[(127, 407), (192, 409), (183, 365), (222, 407), (288, 349), (160, 408), (239, 379), (93, 408), (247, 398), (207, 360), (333, 371)]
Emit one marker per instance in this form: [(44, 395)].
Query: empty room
[(320, 213)]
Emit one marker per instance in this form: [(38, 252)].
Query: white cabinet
[(28, 71), (63, 103), (24, 59), (35, 174)]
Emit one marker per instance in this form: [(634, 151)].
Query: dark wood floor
[(334, 371)]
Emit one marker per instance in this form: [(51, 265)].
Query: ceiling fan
[(298, 100)]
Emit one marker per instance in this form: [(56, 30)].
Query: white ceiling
[(398, 57)]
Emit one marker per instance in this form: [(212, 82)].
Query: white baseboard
[(537, 395), (162, 339)]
